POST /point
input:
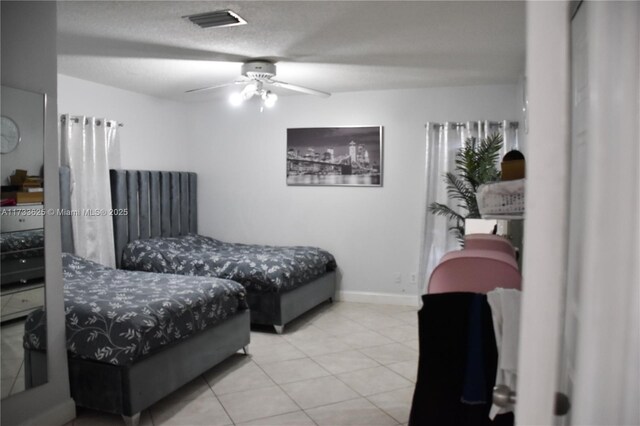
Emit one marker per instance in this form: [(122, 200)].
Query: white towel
[(505, 311)]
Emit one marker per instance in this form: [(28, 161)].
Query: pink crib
[(489, 242), (476, 271)]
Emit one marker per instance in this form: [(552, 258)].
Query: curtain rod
[(76, 119), (512, 124)]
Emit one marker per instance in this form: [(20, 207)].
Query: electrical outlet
[(413, 278), (397, 277)]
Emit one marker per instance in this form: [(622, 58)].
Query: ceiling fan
[(255, 76)]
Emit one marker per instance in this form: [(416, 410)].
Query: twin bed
[(281, 282), (160, 235), (133, 337)]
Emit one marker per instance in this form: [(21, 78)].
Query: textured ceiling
[(146, 46)]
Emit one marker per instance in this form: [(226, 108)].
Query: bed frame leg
[(131, 421), (245, 349), (279, 328), (331, 299)]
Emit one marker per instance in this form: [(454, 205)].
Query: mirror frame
[(43, 376)]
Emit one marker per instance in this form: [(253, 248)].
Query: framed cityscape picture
[(349, 156)]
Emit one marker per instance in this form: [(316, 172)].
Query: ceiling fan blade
[(216, 87), (298, 88)]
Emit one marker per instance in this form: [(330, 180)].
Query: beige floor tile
[(257, 403), (12, 348), (356, 412), (413, 345), (339, 325), (352, 306), (10, 366), (344, 362), (237, 374), (264, 338), (294, 370), (401, 333), (244, 385), (374, 380), (396, 403), (321, 346), (410, 317), (320, 391), (407, 369), (307, 333), (18, 384), (280, 351), (365, 339), (86, 417), (203, 410), (12, 329), (352, 310), (298, 418), (377, 321), (393, 309), (388, 354), (7, 383), (325, 312), (4, 300), (349, 309)]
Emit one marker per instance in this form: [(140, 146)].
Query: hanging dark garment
[(446, 375)]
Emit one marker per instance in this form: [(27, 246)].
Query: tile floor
[(12, 357), (340, 364)]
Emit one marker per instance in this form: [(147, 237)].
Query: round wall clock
[(10, 135)]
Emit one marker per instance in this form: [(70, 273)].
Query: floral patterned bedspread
[(20, 244), (118, 316), (259, 268)]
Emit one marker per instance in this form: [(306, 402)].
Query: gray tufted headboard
[(65, 204), (159, 204)]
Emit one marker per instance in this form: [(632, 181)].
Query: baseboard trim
[(378, 298)]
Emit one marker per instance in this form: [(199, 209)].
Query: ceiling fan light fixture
[(249, 91), (269, 99), (236, 99), (218, 18)]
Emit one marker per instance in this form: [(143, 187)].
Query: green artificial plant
[(475, 165)]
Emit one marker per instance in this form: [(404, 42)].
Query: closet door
[(601, 346), (582, 338), (577, 207), (547, 206)]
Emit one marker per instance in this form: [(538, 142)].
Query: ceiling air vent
[(219, 18)]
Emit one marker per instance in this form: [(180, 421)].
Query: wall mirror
[(22, 233)]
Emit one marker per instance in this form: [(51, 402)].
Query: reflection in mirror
[(22, 235)]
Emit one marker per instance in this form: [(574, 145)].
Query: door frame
[(606, 379), (546, 228)]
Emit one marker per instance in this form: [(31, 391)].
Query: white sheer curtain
[(443, 141), (90, 146)]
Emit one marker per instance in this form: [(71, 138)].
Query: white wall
[(29, 61), (547, 207), (154, 135), (240, 156), (521, 94)]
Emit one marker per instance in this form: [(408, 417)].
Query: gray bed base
[(277, 309), (128, 390), (164, 204)]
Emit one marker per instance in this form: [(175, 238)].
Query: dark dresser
[(22, 261)]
